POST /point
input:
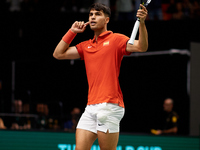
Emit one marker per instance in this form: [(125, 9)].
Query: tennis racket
[(136, 26)]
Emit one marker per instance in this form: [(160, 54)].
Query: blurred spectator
[(17, 122), (121, 9), (42, 111), (22, 119), (178, 14), (56, 125), (170, 126), (29, 122), (155, 10), (124, 10), (15, 5), (52, 122), (187, 8), (177, 9), (165, 7), (171, 8), (196, 9), (2, 124), (71, 124), (44, 121), (174, 10)]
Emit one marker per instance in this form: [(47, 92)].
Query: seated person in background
[(170, 123), (17, 122), (29, 122), (2, 124), (42, 112), (70, 125), (53, 122)]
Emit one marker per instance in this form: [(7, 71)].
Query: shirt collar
[(102, 35)]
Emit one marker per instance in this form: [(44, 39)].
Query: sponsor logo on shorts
[(100, 124)]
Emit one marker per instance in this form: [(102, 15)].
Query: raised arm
[(140, 45), (62, 50)]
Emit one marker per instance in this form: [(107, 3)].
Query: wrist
[(72, 30), (142, 22), (69, 36)]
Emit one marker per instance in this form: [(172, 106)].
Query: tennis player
[(102, 56)]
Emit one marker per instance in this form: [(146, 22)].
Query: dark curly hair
[(101, 7)]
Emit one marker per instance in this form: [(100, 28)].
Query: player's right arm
[(62, 50)]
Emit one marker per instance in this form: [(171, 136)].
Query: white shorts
[(101, 117)]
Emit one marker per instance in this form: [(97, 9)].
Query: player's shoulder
[(174, 114), (119, 36), (174, 117)]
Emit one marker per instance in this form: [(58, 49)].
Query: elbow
[(59, 56), (143, 49), (55, 56)]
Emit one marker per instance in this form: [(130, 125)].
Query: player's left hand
[(142, 13)]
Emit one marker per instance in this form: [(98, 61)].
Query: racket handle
[(134, 32)]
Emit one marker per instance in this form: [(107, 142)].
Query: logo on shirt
[(174, 119), (106, 43), (89, 46)]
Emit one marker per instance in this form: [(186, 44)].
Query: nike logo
[(100, 124), (89, 46)]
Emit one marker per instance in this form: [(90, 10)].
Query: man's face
[(168, 105), (97, 19)]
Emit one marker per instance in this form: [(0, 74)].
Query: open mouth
[(92, 23)]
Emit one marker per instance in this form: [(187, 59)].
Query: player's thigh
[(84, 139), (108, 141)]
